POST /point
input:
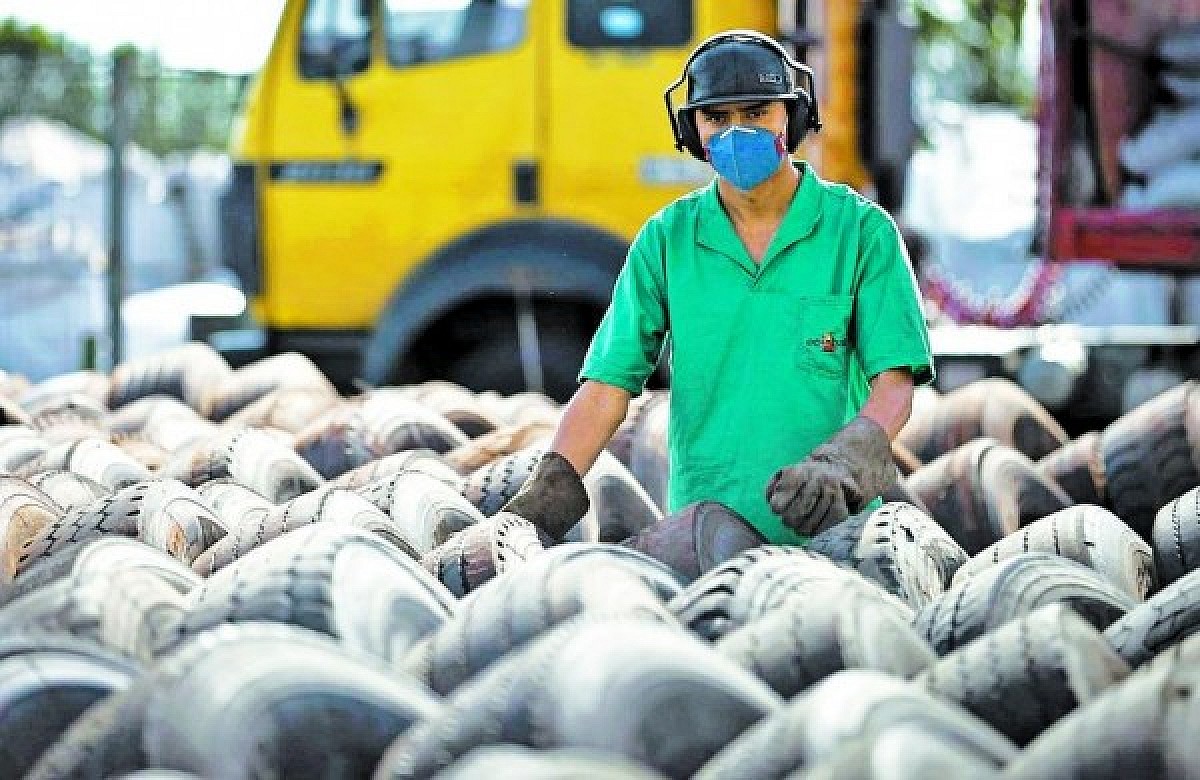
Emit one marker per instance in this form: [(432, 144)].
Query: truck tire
[(25, 514), (235, 504), (69, 416), (108, 739), (426, 510), (479, 552), (512, 762), (98, 459), (904, 752), (43, 691), (794, 648), (1166, 618), (136, 416), (619, 505), (634, 688), (1150, 456), (1087, 534), (186, 372), (1025, 675), (1176, 537), (497, 443), (646, 451), (495, 362), (1142, 727), (1078, 468), (520, 604), (703, 606), (106, 554), (421, 461), (984, 491), (697, 538), (897, 546), (255, 380), (290, 409), (20, 449), (1015, 587), (334, 579), (845, 706), (249, 456)]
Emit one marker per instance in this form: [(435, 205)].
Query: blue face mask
[(746, 156)]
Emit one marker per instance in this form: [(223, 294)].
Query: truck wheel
[(1028, 673), (495, 364), (1016, 587), (1086, 534)]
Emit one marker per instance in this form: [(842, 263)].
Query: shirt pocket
[(824, 346)]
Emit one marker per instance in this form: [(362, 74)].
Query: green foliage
[(41, 74), (971, 50)]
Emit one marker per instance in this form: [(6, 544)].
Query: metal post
[(118, 136)]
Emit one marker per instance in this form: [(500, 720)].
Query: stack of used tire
[(1164, 155), (241, 574)]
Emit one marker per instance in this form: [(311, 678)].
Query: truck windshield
[(420, 31)]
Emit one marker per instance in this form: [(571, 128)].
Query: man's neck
[(768, 201)]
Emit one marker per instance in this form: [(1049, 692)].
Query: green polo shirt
[(768, 360)]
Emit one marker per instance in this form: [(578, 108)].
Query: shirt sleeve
[(627, 345), (889, 322)]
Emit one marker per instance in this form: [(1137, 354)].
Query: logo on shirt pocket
[(825, 342)]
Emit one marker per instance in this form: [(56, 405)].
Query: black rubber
[(1078, 468), (697, 538), (897, 546), (255, 380), (1015, 587), (1087, 534), (792, 648), (425, 509), (1028, 673), (476, 554), (1166, 618), (631, 687), (1150, 456), (332, 578), (249, 456), (845, 706), (188, 372), (1176, 537)]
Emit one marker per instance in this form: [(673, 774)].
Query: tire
[(1089, 535), (25, 514), (69, 416), (138, 415), (903, 752), (650, 693), (1025, 675), (704, 605), (128, 610), (1142, 727), (1165, 619), (497, 443), (289, 409), (162, 513), (520, 604), (619, 505), (697, 538), (286, 370), (495, 362), (42, 692), (331, 578), (510, 762), (420, 461), (235, 504), (68, 489), (20, 448), (397, 424), (794, 648), (898, 547), (476, 554), (984, 491), (426, 510), (1078, 468), (97, 459), (1150, 456), (111, 737), (1013, 588), (1176, 537), (250, 457), (845, 706), (99, 556), (187, 372), (649, 460)]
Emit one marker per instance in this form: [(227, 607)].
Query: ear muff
[(803, 113)]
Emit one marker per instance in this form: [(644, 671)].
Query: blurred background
[(415, 189)]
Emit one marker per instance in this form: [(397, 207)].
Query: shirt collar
[(715, 230)]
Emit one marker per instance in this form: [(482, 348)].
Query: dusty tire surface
[(697, 538), (1176, 537), (1166, 618)]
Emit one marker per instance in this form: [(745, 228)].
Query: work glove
[(553, 497), (838, 479)]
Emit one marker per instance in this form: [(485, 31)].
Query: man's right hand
[(553, 498)]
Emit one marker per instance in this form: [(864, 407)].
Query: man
[(796, 328)]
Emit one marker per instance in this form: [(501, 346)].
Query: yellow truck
[(447, 188)]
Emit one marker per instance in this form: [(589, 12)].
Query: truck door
[(417, 146)]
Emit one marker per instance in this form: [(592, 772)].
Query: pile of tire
[(209, 572)]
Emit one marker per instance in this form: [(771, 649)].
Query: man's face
[(768, 114)]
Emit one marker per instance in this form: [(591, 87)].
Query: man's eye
[(716, 119)]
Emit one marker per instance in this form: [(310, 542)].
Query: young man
[(796, 327)]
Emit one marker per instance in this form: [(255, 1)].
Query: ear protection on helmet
[(803, 113)]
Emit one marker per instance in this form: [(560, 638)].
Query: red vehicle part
[(1118, 36)]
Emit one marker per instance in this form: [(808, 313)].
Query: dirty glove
[(553, 497), (836, 480)]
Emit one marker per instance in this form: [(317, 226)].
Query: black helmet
[(741, 65)]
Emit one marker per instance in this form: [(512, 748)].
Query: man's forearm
[(890, 401), (588, 423)]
